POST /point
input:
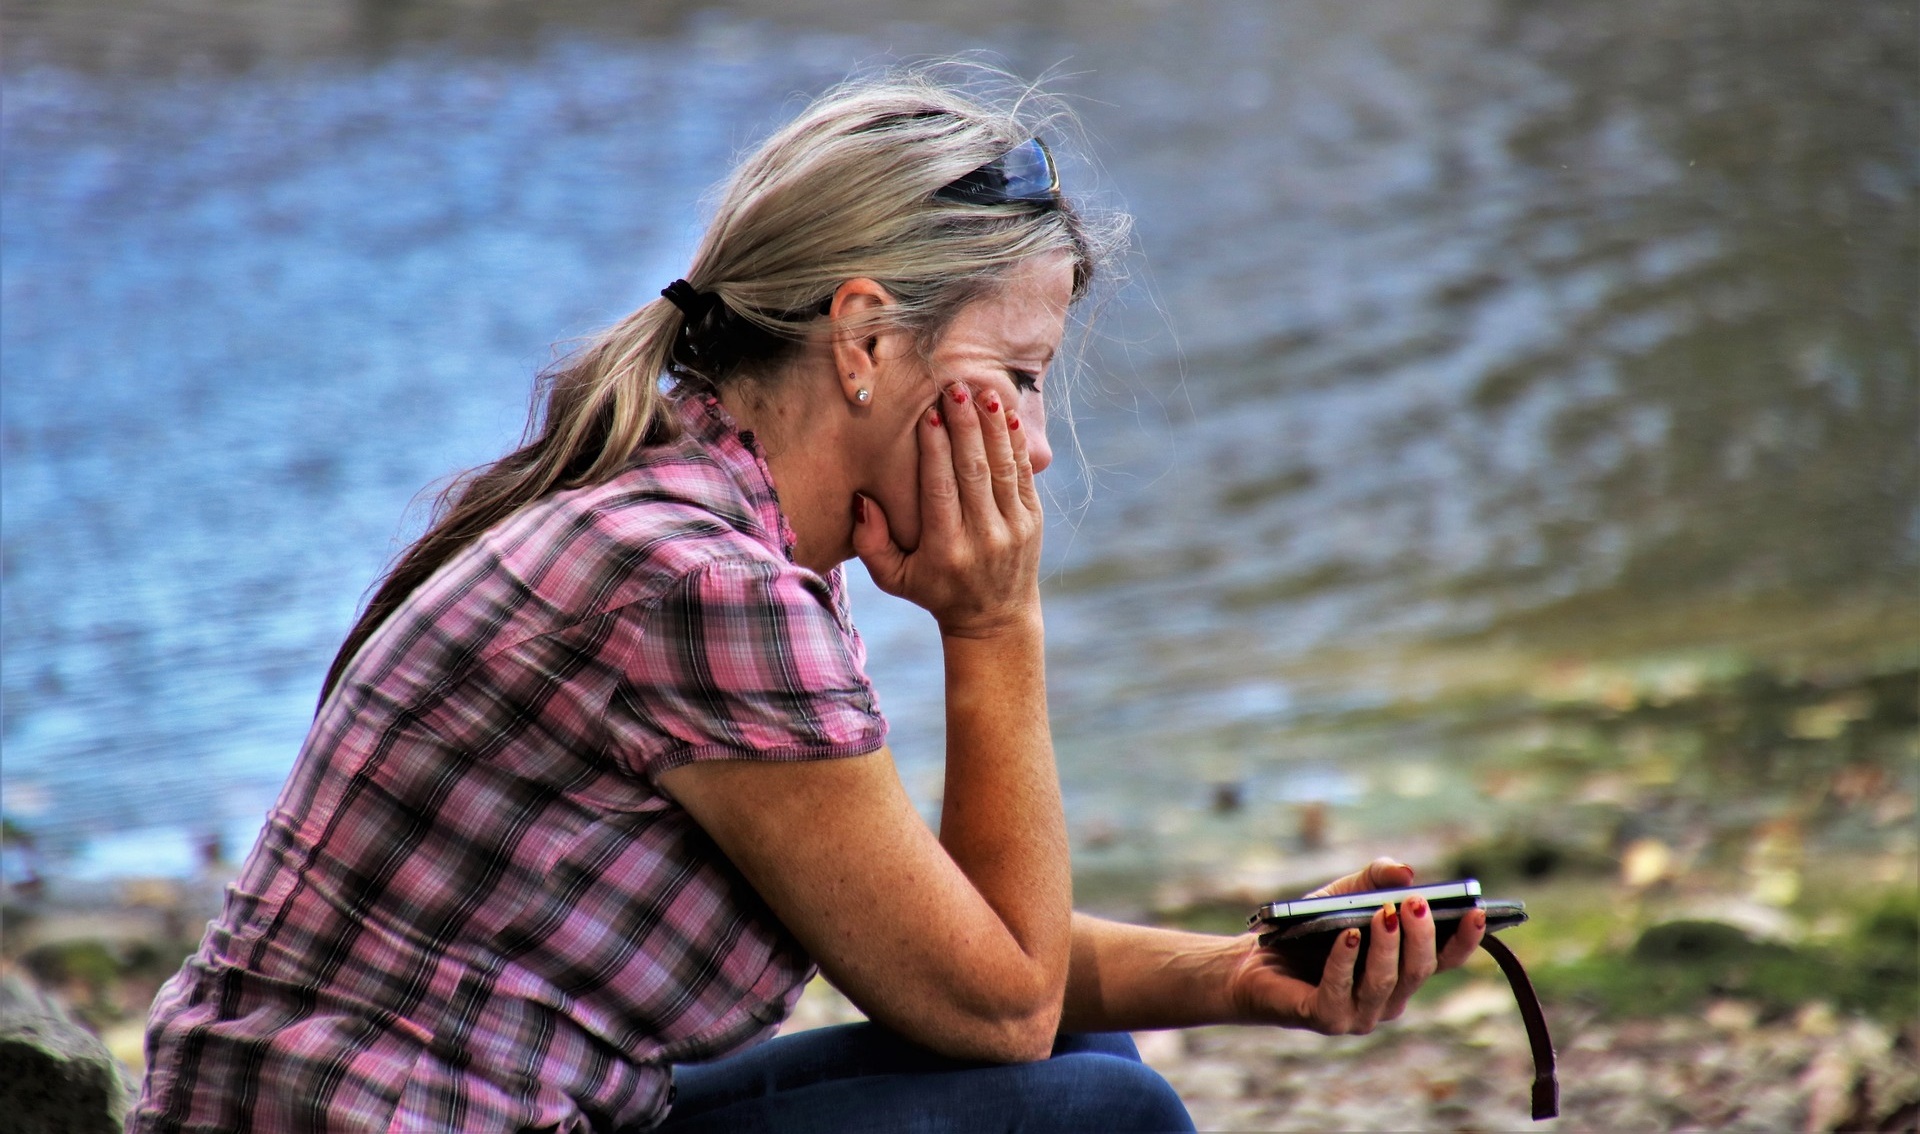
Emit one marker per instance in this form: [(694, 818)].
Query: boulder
[(55, 1076)]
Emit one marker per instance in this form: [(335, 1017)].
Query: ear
[(864, 344)]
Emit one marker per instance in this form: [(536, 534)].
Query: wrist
[(1017, 625), (1237, 958)]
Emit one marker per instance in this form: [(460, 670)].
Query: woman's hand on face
[(977, 566), (1355, 994)]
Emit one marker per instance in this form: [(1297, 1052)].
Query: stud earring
[(863, 395)]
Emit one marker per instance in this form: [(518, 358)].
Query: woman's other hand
[(976, 568), (1355, 993)]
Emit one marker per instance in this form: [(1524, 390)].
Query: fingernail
[(958, 394), (859, 508), (1013, 421), (1479, 919), (1419, 906), (1353, 938), (1391, 923), (933, 418), (992, 403)]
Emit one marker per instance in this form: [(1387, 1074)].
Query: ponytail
[(845, 190), (601, 405)]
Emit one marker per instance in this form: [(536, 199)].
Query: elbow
[(1021, 1032), (1033, 1040), (1025, 1039)]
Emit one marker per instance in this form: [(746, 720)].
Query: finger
[(939, 490), (1001, 465), (970, 468), (873, 543), (1382, 970), (1333, 1009), (1417, 961), (1465, 940), (1380, 874), (1023, 460)]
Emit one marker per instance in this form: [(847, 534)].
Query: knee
[(1117, 1044), (1115, 1093)]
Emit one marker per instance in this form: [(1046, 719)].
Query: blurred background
[(1504, 455)]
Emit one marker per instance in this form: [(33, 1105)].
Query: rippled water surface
[(1545, 326)]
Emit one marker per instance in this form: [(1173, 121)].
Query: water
[(1452, 322)]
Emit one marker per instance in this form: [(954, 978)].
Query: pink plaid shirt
[(471, 908)]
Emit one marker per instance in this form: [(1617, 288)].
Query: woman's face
[(1003, 343)]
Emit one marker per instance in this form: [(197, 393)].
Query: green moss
[(86, 962), (1677, 967)]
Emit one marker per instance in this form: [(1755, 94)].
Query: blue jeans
[(863, 1077)]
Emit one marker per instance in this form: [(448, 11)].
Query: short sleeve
[(743, 659)]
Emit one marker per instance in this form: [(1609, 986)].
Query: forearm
[(1001, 818), (1133, 978)]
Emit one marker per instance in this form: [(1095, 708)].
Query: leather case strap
[(1546, 1083)]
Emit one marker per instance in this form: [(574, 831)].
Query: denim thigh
[(859, 1077)]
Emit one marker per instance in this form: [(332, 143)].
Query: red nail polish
[(959, 395), (933, 418), (992, 403), (859, 508), (1013, 422), (1391, 923), (1353, 939), (1419, 907)]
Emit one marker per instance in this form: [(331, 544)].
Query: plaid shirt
[(471, 907)]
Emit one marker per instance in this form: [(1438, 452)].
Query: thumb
[(1380, 874), (873, 543)]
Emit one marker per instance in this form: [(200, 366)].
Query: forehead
[(1024, 317)]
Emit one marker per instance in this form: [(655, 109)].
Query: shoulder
[(674, 515)]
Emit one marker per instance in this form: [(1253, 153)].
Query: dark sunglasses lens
[(1029, 172), (1024, 173)]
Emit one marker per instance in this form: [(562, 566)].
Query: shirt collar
[(737, 451)]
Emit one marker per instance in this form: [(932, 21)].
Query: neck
[(799, 442)]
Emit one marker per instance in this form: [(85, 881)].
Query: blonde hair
[(844, 190)]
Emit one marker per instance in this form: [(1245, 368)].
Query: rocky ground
[(1457, 1061), (1461, 1063)]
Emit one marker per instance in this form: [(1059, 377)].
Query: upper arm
[(737, 659), (838, 852)]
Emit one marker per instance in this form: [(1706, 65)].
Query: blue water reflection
[(1448, 313)]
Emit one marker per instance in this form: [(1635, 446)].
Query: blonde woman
[(598, 778)]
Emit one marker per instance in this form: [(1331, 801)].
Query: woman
[(598, 776)]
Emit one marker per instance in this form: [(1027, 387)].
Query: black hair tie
[(693, 304)]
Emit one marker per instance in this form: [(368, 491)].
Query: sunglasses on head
[(1024, 173)]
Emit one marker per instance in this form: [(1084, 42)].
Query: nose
[(1039, 452)]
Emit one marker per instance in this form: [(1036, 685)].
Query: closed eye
[(1025, 381)]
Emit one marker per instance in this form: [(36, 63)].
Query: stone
[(55, 1076)]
